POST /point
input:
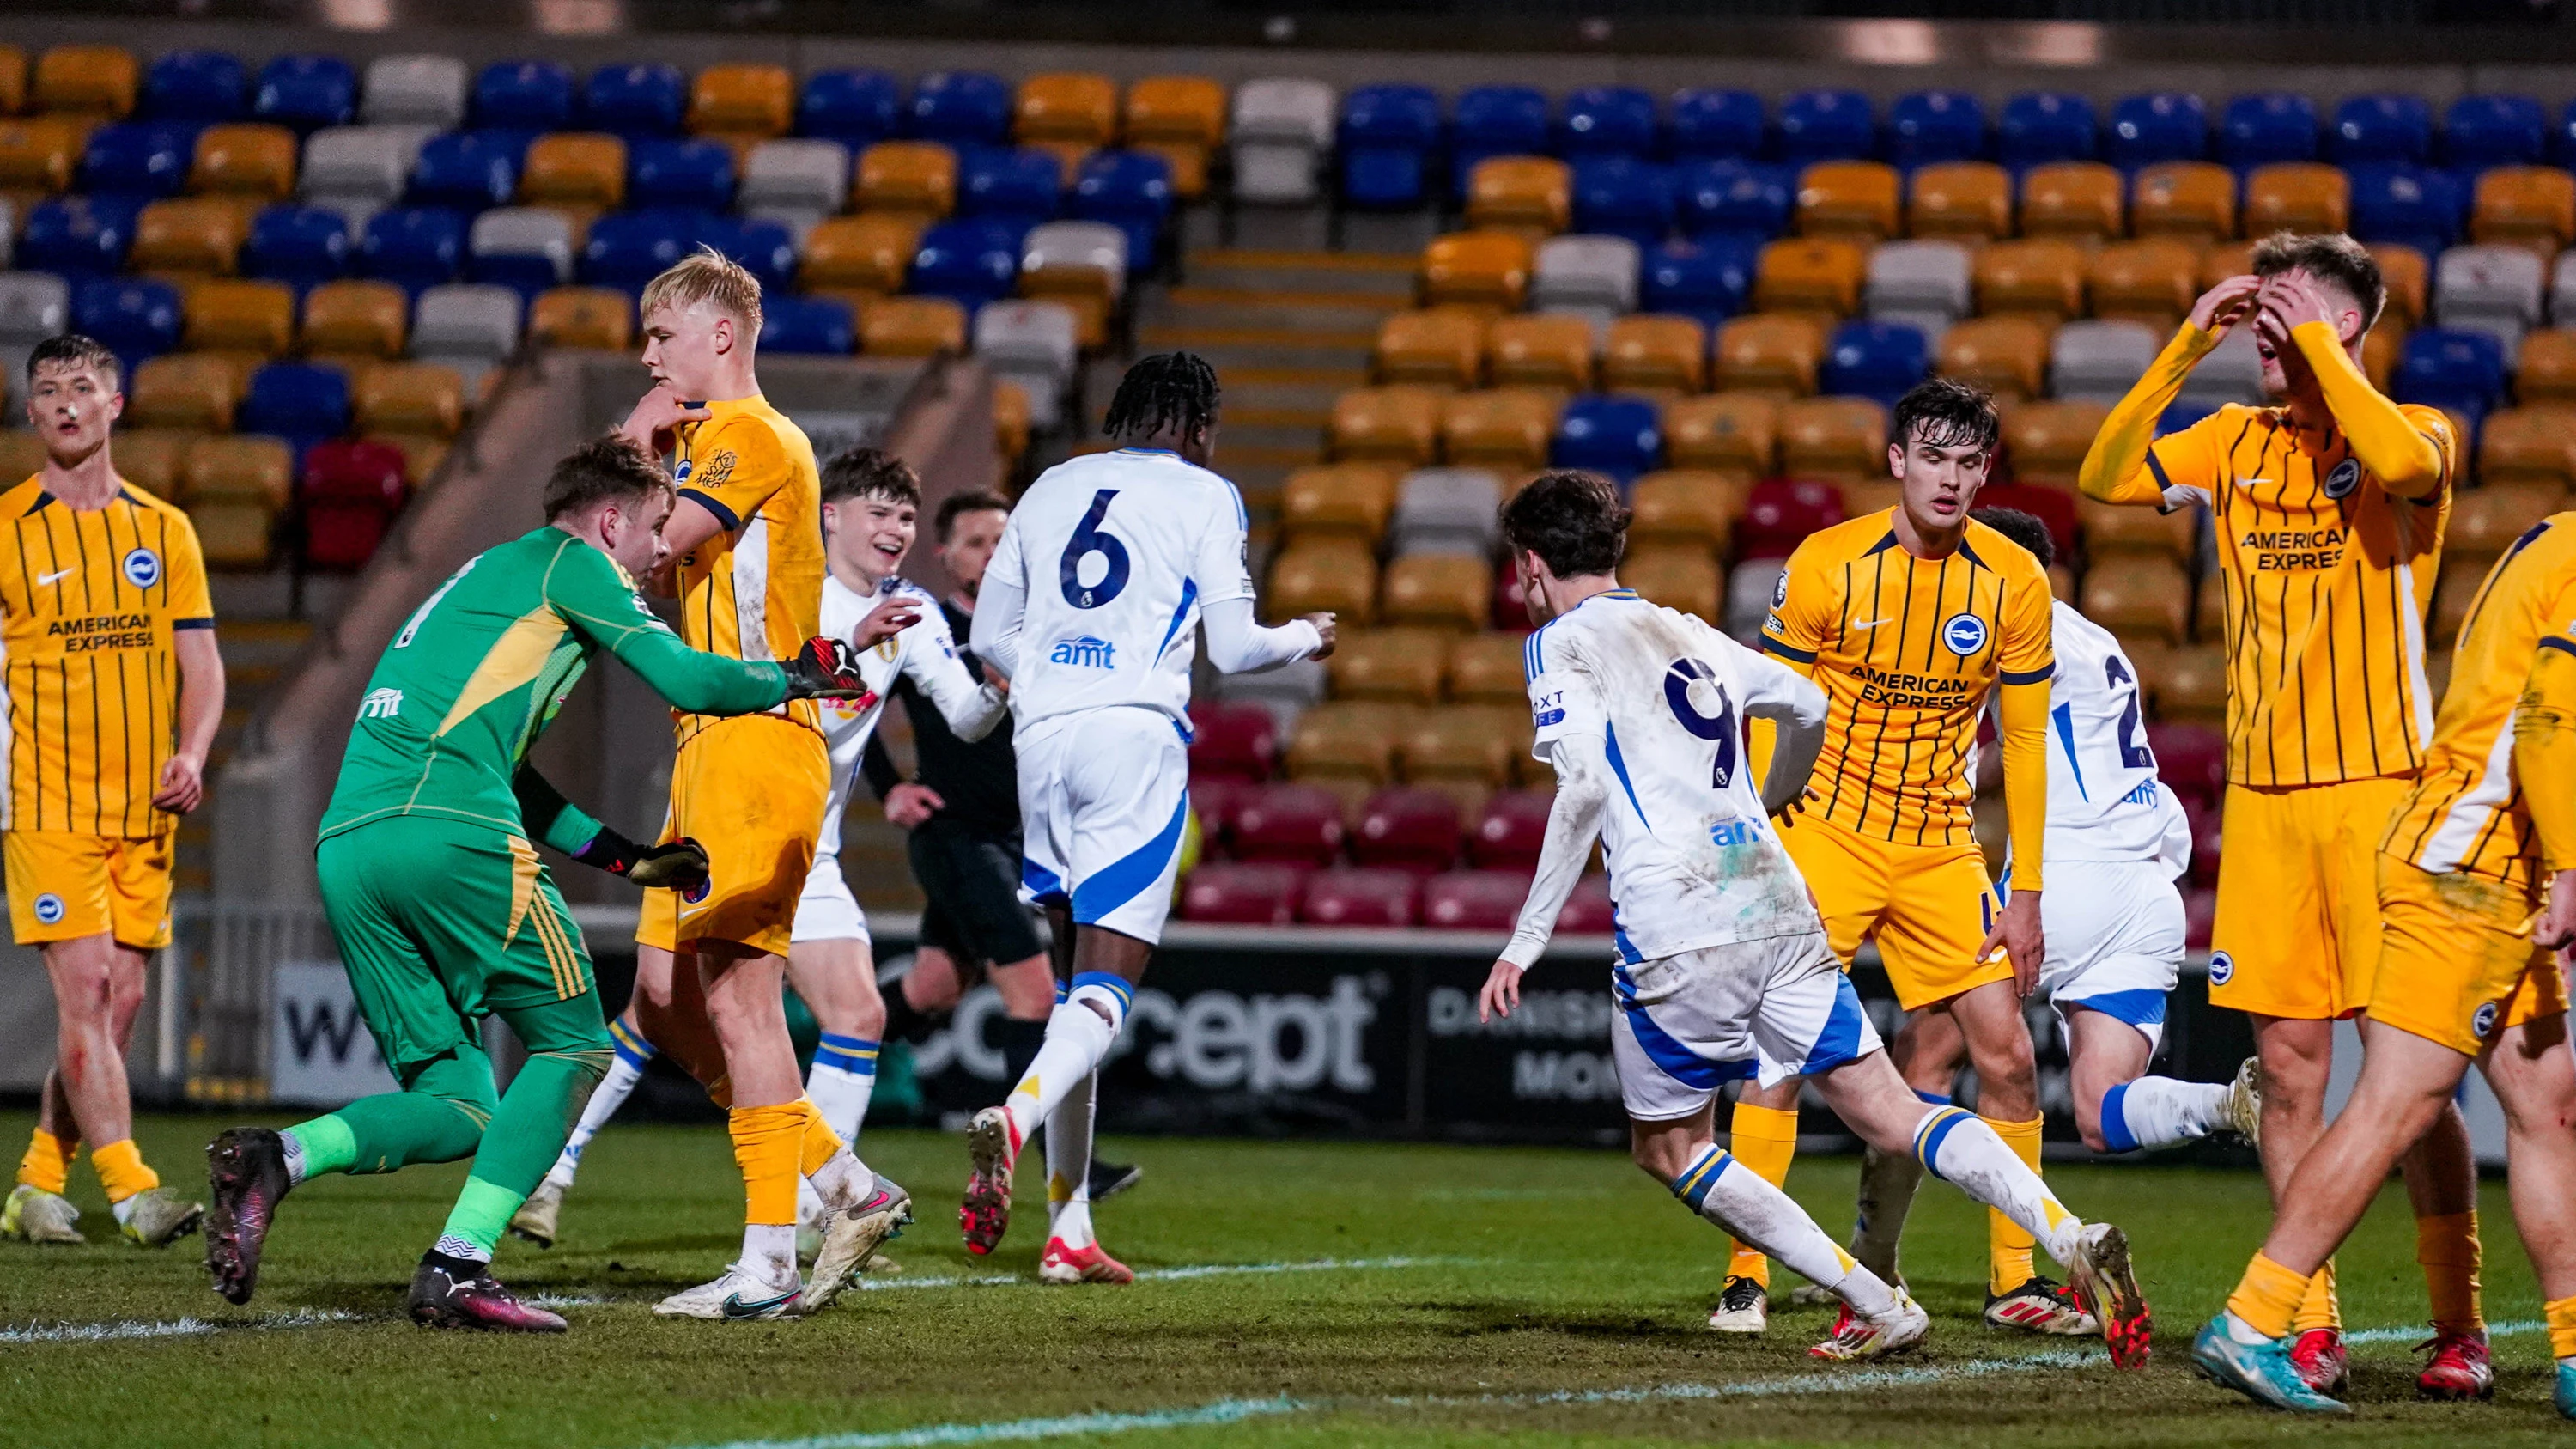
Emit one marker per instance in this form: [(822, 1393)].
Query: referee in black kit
[(963, 814)]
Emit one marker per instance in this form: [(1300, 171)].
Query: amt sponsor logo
[(1083, 652), (1735, 832)]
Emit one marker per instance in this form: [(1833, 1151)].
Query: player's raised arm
[(2412, 458), (2121, 466), (970, 709)]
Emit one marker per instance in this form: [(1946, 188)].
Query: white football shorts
[(1104, 798), (827, 911), (2115, 940), (1761, 1010)]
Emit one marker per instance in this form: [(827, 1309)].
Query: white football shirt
[(2104, 800), (927, 652), (1694, 860)]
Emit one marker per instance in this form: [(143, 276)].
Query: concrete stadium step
[(1264, 307), (1307, 271), (1230, 348)]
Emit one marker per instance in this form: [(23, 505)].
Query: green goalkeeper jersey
[(479, 671)]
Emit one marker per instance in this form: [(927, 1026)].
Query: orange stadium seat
[(1855, 200), (2485, 521), (1545, 350), (1466, 750), (2452, 596), (13, 79), (855, 257), (742, 102), (2527, 206), (245, 160), (150, 458), (38, 154), (1489, 269), (2046, 441), (1655, 355), (2402, 268), (1506, 429), (911, 326), (1438, 346), (1440, 589), (1531, 194), (2381, 348), (195, 391), (411, 399), (1350, 740), (2193, 200), (189, 236), (1840, 440), (2220, 262), (575, 169), (1397, 424), (2113, 529), (2139, 594), (1777, 353), (356, 320), (2192, 686), (1821, 274), (1075, 106), (2547, 373), (2209, 616), (1737, 434), (2007, 356), (1335, 575), (1961, 201), (233, 489), (1404, 665), (917, 178), (2144, 281), (1689, 506), (2043, 276), (1010, 421), (2535, 445), (2077, 199), (590, 317), (2298, 196), (1337, 501), (1487, 668), (256, 319), (1676, 576), (88, 80), (1180, 118), (22, 453)]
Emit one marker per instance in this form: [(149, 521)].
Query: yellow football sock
[(2447, 1247), (2268, 1296), (2561, 1314), (2318, 1306), (767, 1144), (819, 1142), (1766, 1140), (121, 1170), (47, 1167), (2008, 1247)]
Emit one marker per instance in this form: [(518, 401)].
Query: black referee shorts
[(973, 882)]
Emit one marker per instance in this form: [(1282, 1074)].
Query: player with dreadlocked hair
[(1166, 400)]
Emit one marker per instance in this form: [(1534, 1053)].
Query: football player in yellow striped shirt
[(2329, 508), (1909, 619), (2477, 886), (115, 692)]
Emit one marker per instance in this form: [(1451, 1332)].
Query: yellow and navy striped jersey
[(755, 590), (91, 603), (1906, 650)]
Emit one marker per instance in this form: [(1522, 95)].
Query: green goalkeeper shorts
[(442, 923)]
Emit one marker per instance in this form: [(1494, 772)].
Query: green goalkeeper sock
[(438, 1117), (521, 1145)]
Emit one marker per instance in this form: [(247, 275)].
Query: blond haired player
[(115, 692), (2477, 886), (747, 540), (2329, 508)]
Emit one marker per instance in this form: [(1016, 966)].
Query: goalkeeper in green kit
[(444, 913)]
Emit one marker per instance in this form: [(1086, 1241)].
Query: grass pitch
[(1298, 1294)]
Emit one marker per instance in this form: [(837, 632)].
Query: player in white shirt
[(1107, 573), (1723, 970), (871, 503)]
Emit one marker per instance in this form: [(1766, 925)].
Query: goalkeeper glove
[(826, 669), (681, 865)]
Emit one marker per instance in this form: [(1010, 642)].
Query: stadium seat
[(233, 489), (586, 317), (1705, 281), (911, 326), (1855, 201), (2111, 529), (2403, 271), (2147, 282), (87, 80), (252, 319), (1034, 343), (39, 153), (1826, 125), (1687, 506), (187, 390), (1540, 351), (1487, 668), (2526, 206), (1437, 589), (1130, 190), (1287, 824), (2267, 130), (2192, 200), (1350, 501), (2139, 594), (798, 181), (869, 254), (467, 171), (78, 237), (1838, 440), (352, 490), (1969, 201), (1533, 194), (306, 93), (2406, 205), (1926, 285), (356, 320), (2547, 373), (33, 307), (968, 262), (2078, 200), (1655, 355), (1778, 353), (1488, 269), (416, 90), (960, 107), (1589, 911), (1474, 900), (252, 160), (1332, 574), (1714, 125), (1076, 106), (138, 158), (1180, 118), (2479, 132), (2379, 129), (820, 326), (2042, 278), (2299, 197), (529, 248), (2485, 521), (1447, 510), (2490, 289), (1779, 513), (1397, 424), (635, 102), (300, 402), (523, 95), (1342, 743), (2232, 372), (1874, 360), (1621, 196), (413, 247), (1506, 429), (467, 329), (1081, 265), (1735, 200), (2100, 361), (1932, 127), (693, 174), (1358, 898), (1439, 346), (1413, 830), (1621, 437), (1233, 740), (409, 399), (1020, 185), (2041, 128), (1280, 128), (1735, 434), (742, 102), (1388, 135), (1606, 120), (857, 108), (2152, 129), (2449, 368), (1493, 121), (1465, 750), (1810, 274), (189, 236), (577, 169), (2007, 356), (358, 170), (1242, 893), (147, 457), (1680, 577)]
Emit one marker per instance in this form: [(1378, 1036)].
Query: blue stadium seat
[(2484, 131), (1617, 435), (1495, 121), (136, 317), (767, 249), (302, 246), (1132, 191), (194, 85), (1929, 127), (140, 158), (2381, 128), (1021, 184), (807, 324), (1827, 125), (960, 107), (1875, 360), (306, 92), (2261, 130), (1388, 134), (695, 174), (78, 236), (1708, 280), (2041, 127), (2164, 126), (2416, 205), (1713, 125), (857, 108), (637, 102), (2462, 371), (413, 247), (2183, 414), (1744, 199), (467, 170), (298, 401), (968, 262), (1617, 195), (524, 95), (2562, 138), (626, 249), (1607, 120)]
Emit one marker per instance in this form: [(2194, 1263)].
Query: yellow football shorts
[(1928, 907), (751, 790), (63, 887), (2297, 932), (2456, 960)]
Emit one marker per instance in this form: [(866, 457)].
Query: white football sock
[(1737, 1199), (1962, 1150), (843, 1077), (769, 1253), (633, 1051), (1068, 1162), (2154, 1112), (2244, 1332), (841, 1182), (1077, 1041)]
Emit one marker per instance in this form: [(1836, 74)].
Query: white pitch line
[(2400, 1335), (170, 1328), (1223, 1411)]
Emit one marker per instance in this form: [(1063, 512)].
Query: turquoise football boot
[(2262, 1371)]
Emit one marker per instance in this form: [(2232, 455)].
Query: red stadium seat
[(1779, 514), (1475, 900), (1214, 799), (1241, 740), (2051, 506), (352, 490), (1360, 896), (1296, 824), (1240, 893), (1415, 830), (2199, 911), (2191, 759), (1510, 830), (2204, 843), (1588, 912)]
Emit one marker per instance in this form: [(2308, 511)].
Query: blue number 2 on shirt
[(1088, 539)]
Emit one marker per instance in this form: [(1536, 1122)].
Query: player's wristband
[(609, 851)]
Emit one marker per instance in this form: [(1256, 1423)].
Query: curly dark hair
[(1572, 519), (1167, 390), (2021, 528)]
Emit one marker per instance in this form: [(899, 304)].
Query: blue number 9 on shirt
[(1720, 726), (1088, 539)]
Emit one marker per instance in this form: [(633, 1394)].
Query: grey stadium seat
[(1282, 128), (1447, 510), (466, 326), (1589, 276), (33, 307), (1286, 692), (2562, 291), (525, 231), (2231, 373), (1749, 587), (1032, 343), (2100, 361), (2490, 289), (1094, 244), (359, 170), (1922, 284), (798, 182), (427, 90)]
